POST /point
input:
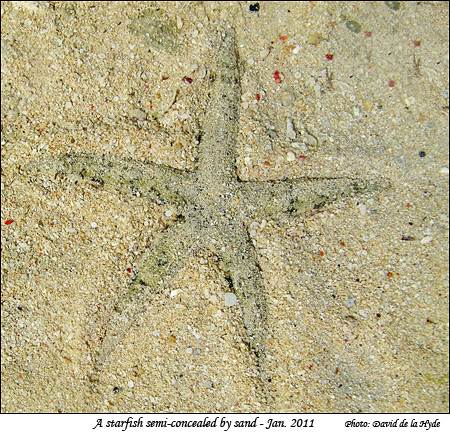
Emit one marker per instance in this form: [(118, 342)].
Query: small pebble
[(290, 156), (93, 225), (363, 314), (444, 171), (179, 23), (362, 209), (208, 384), (22, 247), (350, 302), (300, 146), (426, 240), (422, 154), (230, 299), (130, 384), (290, 131), (353, 26), (138, 114)]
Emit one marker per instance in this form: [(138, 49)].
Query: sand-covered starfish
[(214, 209)]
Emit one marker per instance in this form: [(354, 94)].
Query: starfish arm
[(167, 254), (240, 264), (217, 153), (271, 199), (157, 182)]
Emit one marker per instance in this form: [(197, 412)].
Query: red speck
[(417, 44), (302, 157), (9, 221), (391, 83), (390, 274), (187, 80), (283, 38), (329, 57), (266, 163), (277, 76), (321, 253), (129, 270), (408, 205), (258, 97), (368, 34)]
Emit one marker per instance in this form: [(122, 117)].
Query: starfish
[(214, 209)]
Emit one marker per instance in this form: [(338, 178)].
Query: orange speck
[(283, 38), (416, 43), (391, 83), (390, 274), (342, 243), (321, 253)]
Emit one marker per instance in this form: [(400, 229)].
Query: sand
[(354, 286)]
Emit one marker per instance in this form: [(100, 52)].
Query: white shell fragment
[(230, 299)]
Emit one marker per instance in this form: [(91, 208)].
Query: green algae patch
[(439, 380), (353, 26), (158, 29), (395, 6)]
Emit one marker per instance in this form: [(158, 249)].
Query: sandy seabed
[(355, 284)]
